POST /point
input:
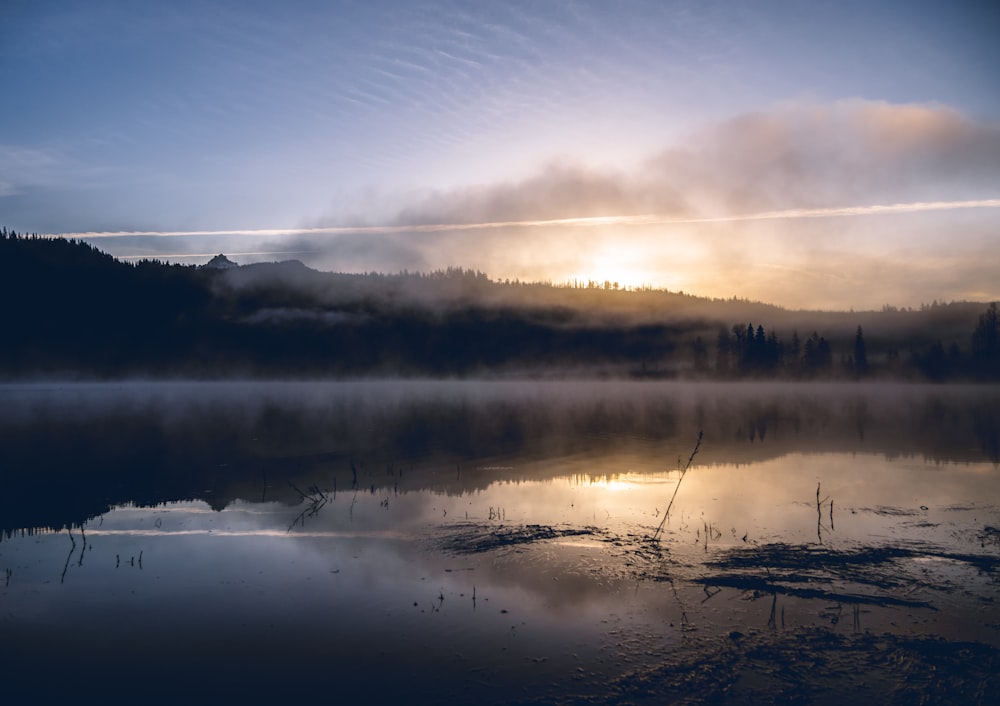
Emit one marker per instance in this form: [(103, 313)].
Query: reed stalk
[(684, 471)]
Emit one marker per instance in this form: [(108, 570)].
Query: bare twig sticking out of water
[(684, 471), (84, 549), (711, 532), (315, 498), (314, 494), (819, 514), (68, 556)]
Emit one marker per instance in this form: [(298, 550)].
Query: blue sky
[(278, 119)]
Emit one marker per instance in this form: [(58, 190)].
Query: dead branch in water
[(315, 500), (684, 471), (819, 514), (62, 579)]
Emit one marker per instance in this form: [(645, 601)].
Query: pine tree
[(722, 347), (860, 353), (986, 342)]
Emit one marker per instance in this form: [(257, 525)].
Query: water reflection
[(147, 443), (487, 543)]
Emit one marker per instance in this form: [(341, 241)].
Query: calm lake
[(499, 542)]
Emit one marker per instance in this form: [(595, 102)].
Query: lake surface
[(499, 542)]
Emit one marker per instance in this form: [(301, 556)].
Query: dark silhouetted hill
[(72, 310)]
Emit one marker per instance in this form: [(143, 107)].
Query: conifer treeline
[(745, 351), (71, 308)]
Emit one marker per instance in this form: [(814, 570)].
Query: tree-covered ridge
[(74, 310)]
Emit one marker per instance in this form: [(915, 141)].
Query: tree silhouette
[(816, 356), (986, 343), (823, 354), (72, 308), (739, 343), (722, 350), (860, 353), (934, 363), (700, 352)]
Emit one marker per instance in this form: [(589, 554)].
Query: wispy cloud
[(584, 222)]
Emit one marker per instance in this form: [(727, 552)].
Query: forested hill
[(72, 310)]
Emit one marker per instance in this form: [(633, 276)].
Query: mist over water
[(490, 541)]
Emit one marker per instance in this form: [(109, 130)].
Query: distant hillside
[(72, 310)]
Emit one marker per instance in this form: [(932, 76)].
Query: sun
[(616, 269)]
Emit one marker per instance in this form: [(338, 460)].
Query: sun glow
[(616, 268), (619, 485), (610, 280)]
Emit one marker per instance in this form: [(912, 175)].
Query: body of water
[(499, 542)]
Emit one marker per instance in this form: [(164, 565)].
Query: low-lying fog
[(159, 441)]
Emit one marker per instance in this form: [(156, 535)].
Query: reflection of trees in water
[(986, 426), (755, 425), (247, 444)]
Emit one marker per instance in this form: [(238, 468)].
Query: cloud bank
[(797, 156), (754, 206), (853, 203)]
